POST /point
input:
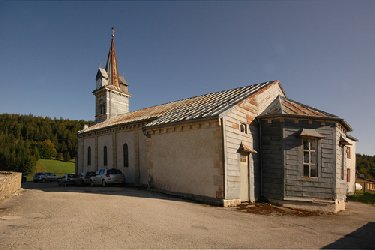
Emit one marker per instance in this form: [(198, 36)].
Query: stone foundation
[(327, 206), (10, 184), (231, 203)]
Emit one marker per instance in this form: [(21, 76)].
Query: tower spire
[(111, 65)]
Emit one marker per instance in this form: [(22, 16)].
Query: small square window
[(243, 158)]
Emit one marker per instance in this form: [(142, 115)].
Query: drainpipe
[(260, 157)]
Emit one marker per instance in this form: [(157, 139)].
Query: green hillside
[(24, 139), (54, 166)]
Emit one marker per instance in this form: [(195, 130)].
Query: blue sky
[(323, 52)]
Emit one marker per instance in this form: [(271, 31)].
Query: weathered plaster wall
[(351, 165), (89, 142), (105, 140), (114, 139), (130, 139), (118, 104), (143, 170), (187, 159), (245, 113), (10, 184)]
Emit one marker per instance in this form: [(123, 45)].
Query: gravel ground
[(46, 216)]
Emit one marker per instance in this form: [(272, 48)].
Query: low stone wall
[(10, 184)]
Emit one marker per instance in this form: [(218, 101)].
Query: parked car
[(44, 177), (23, 178), (70, 179), (86, 177), (105, 176)]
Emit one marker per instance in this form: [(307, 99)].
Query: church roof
[(193, 108), (283, 106)]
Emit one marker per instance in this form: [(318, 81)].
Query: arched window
[(125, 155), (89, 156), (105, 156)]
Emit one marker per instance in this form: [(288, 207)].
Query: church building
[(238, 145)]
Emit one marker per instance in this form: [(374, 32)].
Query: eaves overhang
[(169, 124), (82, 132), (336, 119)]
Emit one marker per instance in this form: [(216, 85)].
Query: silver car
[(105, 176), (70, 179), (44, 177)]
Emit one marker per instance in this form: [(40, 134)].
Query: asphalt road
[(46, 216)]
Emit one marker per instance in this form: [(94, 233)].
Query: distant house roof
[(283, 106), (193, 108)]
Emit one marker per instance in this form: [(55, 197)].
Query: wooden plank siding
[(245, 113), (272, 159), (341, 184), (295, 184)]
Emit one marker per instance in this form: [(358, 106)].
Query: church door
[(244, 172)]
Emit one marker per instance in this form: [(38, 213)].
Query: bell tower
[(111, 93)]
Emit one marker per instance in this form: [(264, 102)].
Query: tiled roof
[(284, 106), (197, 107)]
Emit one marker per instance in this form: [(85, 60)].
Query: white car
[(105, 176)]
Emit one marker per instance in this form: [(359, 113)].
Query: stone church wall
[(136, 172), (105, 140), (89, 142), (187, 159), (114, 139), (119, 104), (128, 138)]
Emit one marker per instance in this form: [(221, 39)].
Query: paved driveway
[(47, 216)]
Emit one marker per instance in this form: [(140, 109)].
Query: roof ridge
[(312, 108), (200, 106), (206, 94)]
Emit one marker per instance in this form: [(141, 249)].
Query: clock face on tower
[(98, 83)]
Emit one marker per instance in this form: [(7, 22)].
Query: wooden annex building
[(238, 145)]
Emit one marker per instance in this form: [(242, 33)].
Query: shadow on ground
[(132, 191), (362, 238)]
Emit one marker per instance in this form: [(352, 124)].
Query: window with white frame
[(310, 156)]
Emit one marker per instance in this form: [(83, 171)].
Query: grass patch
[(367, 197), (54, 166)]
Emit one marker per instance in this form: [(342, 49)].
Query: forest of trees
[(366, 166), (26, 138)]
